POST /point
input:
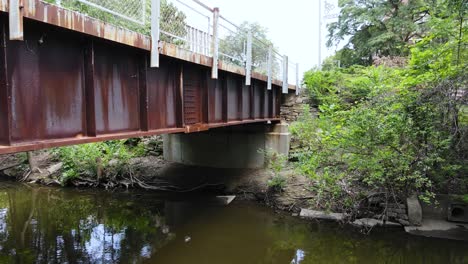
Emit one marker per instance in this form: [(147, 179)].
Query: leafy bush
[(398, 130), (275, 162), (85, 161)]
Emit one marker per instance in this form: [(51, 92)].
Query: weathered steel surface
[(60, 87), (215, 100), (57, 16), (258, 95), (233, 94), (46, 77), (162, 84), (5, 88), (246, 106), (116, 89), (42, 144), (192, 84)]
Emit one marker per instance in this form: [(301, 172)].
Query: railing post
[(298, 82), (285, 74), (16, 19), (248, 63), (270, 72), (215, 44), (155, 18)]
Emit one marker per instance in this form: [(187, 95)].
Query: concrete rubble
[(312, 214)]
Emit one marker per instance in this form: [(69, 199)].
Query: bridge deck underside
[(60, 87)]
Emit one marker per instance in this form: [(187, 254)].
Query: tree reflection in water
[(46, 225)]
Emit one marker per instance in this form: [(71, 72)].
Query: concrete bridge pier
[(229, 147)]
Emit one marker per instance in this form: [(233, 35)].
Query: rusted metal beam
[(89, 90), (240, 99), (36, 145), (262, 94), (180, 98), (270, 103), (58, 16), (5, 88), (244, 122), (252, 101), (224, 87), (279, 94), (143, 90), (205, 98)]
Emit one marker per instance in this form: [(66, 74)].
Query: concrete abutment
[(229, 147)]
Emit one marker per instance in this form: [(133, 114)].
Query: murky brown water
[(48, 225)]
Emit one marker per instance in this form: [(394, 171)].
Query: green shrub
[(385, 129), (275, 162), (84, 161)]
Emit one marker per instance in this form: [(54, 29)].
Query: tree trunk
[(32, 165)]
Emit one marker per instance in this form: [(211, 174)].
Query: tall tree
[(379, 27)]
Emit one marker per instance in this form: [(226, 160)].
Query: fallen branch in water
[(201, 186), (25, 176)]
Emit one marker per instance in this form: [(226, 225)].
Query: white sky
[(293, 25)]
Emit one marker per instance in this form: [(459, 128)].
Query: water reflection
[(46, 225), (299, 257)]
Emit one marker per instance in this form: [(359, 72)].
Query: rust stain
[(51, 103), (51, 14), (196, 128)]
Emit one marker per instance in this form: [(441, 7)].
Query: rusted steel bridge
[(74, 79)]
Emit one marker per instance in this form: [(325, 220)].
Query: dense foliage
[(378, 28), (395, 130), (97, 161)]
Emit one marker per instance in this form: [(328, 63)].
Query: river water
[(54, 225)]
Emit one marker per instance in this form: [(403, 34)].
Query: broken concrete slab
[(55, 168), (312, 214), (440, 229), (414, 210), (371, 222), (225, 199)]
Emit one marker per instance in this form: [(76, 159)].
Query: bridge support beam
[(230, 147)]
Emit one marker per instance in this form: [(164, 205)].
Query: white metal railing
[(194, 26)]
